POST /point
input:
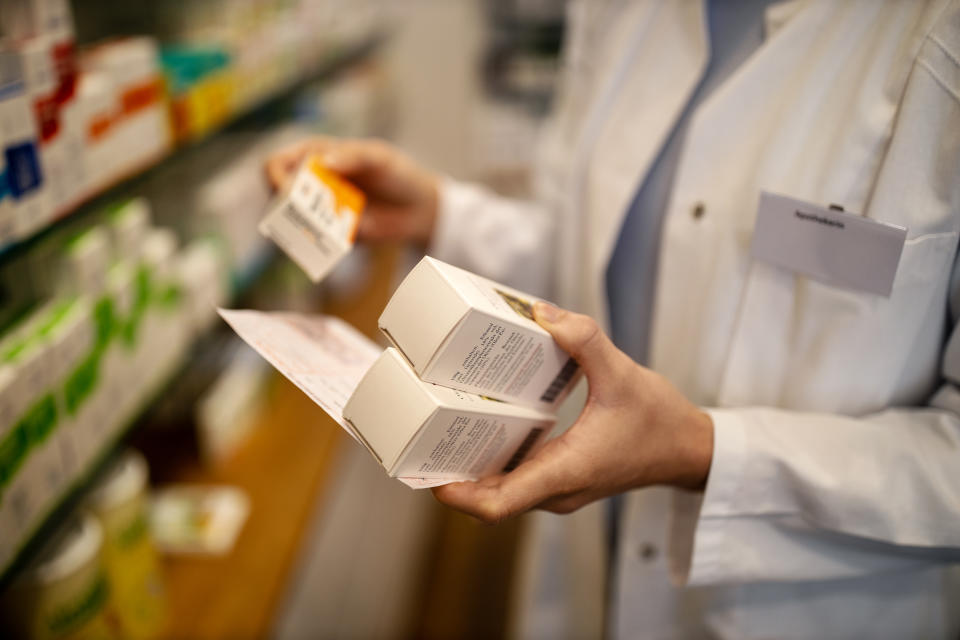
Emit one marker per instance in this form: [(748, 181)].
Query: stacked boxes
[(472, 385), (70, 124), (121, 313), (22, 190), (123, 109), (420, 430)]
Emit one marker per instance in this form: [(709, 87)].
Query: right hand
[(402, 197)]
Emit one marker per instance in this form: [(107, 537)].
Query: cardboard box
[(86, 262), (420, 430), (316, 221), (469, 333), (26, 189)]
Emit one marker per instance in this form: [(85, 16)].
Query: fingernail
[(546, 312)]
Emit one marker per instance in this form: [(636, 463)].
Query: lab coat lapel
[(666, 61)]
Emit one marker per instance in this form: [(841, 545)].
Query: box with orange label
[(316, 221)]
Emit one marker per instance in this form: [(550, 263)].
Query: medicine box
[(469, 333), (420, 430), (316, 221)]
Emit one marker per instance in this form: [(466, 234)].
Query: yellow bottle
[(119, 502)]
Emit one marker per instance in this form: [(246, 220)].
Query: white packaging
[(166, 324), (420, 430), (70, 341), (139, 130), (42, 85), (38, 477), (201, 273), (86, 262), (316, 221), (25, 189), (10, 401), (96, 110), (469, 333), (86, 410), (129, 225)]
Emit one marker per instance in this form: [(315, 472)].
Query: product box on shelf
[(95, 112), (69, 333), (201, 272), (82, 383), (422, 430), (22, 187), (14, 447), (85, 262), (50, 75), (32, 470), (128, 224), (463, 331), (165, 329), (136, 125)]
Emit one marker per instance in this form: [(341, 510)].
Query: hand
[(635, 430), (401, 196)]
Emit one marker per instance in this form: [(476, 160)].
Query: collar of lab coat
[(622, 126)]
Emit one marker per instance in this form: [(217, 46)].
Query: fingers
[(539, 480), (351, 157), (581, 337), (345, 156), (282, 164)]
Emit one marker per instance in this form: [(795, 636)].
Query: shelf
[(243, 277), (327, 66), (242, 280)]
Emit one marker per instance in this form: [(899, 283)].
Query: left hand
[(635, 430)]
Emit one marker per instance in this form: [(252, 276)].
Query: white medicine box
[(316, 220), (420, 430), (465, 332)]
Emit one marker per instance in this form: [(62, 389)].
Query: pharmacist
[(790, 461)]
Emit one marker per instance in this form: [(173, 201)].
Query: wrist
[(686, 452), (695, 452)]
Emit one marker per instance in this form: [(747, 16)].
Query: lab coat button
[(646, 552), (698, 210)]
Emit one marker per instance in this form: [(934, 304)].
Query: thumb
[(580, 336)]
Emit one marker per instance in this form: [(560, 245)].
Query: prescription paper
[(323, 356)]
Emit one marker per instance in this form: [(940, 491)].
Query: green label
[(104, 316), (40, 420), (81, 383), (141, 298), (13, 451), (169, 297)]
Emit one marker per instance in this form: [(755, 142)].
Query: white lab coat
[(832, 509)]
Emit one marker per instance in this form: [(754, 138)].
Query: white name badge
[(837, 248)]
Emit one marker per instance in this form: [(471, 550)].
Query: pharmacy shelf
[(332, 62), (243, 277)]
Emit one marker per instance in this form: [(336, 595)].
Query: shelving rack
[(243, 277), (334, 61)]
